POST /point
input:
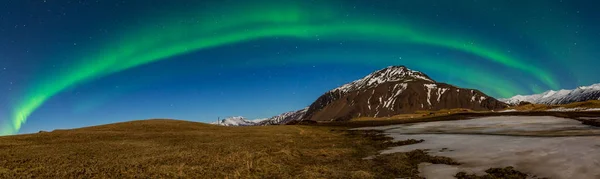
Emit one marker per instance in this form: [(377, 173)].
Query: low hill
[(181, 149)]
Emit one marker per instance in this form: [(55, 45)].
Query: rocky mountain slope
[(583, 93), (395, 90), (285, 117)]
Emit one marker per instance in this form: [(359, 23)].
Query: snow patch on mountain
[(430, 88), (389, 102)]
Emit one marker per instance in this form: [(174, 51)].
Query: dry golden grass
[(531, 107), (585, 104), (420, 114), (543, 107), (180, 149), (400, 116)]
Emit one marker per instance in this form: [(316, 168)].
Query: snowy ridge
[(275, 120), (583, 93), (389, 74), (235, 121)]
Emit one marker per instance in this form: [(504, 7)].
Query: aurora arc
[(477, 77), (149, 45)]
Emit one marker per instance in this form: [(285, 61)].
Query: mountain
[(390, 91), (285, 117), (583, 93), (395, 90), (275, 120), (237, 121)]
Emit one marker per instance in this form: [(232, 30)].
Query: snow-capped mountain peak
[(551, 97), (389, 74), (591, 87)]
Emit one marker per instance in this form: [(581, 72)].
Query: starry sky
[(69, 63)]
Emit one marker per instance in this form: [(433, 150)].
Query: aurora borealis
[(54, 50)]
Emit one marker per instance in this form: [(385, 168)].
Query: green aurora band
[(144, 46), (477, 76)]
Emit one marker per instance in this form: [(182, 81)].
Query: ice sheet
[(521, 142)]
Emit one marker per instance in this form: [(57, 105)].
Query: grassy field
[(543, 107), (420, 114), (585, 104), (180, 149)]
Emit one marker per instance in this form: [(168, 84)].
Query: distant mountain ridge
[(238, 121), (386, 92), (275, 120), (580, 94)]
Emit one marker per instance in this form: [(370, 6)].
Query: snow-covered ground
[(544, 146)]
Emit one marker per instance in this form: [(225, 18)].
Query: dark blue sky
[(96, 62)]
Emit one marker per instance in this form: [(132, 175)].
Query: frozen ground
[(543, 146)]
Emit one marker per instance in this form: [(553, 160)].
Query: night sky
[(68, 63)]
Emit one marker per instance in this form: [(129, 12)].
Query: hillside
[(181, 149)]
